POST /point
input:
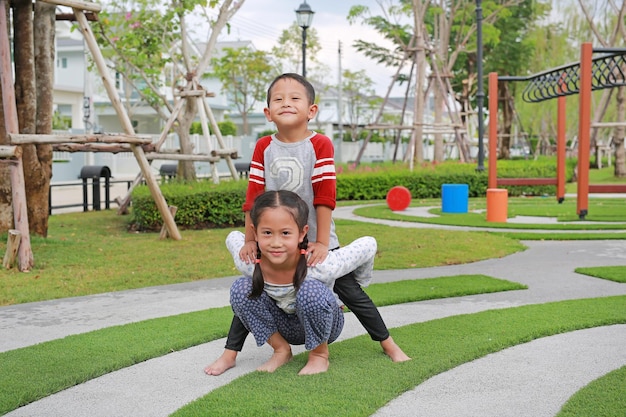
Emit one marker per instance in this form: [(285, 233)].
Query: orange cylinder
[(497, 204)]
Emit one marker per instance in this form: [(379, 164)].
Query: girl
[(281, 305)]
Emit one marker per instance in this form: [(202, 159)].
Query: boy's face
[(289, 105)]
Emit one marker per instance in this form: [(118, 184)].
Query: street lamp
[(304, 16)]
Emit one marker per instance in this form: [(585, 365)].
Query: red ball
[(398, 198)]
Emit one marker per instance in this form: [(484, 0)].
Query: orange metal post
[(560, 149), (493, 130), (584, 126)]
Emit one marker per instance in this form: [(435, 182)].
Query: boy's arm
[(248, 250), (319, 250)]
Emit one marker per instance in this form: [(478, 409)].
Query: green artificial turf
[(608, 214), (612, 273), (33, 372), (406, 291), (361, 379), (604, 397)]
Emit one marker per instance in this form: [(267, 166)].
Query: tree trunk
[(37, 166), (618, 139), (420, 77), (44, 41), (186, 169), (439, 97)]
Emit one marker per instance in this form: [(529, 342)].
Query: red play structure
[(579, 78)]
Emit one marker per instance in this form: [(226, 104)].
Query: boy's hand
[(317, 253), (248, 252)]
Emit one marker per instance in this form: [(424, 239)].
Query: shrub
[(204, 204)]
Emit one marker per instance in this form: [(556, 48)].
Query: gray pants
[(318, 318)]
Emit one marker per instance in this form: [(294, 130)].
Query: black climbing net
[(608, 70)]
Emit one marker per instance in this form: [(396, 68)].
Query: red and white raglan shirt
[(306, 168)]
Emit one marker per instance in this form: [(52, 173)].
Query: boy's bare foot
[(318, 361), (282, 353), (223, 363), (394, 352), (278, 359)]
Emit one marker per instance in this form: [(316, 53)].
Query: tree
[(142, 38), (33, 60), (245, 75), (404, 37), (288, 51), (359, 91), (605, 20)]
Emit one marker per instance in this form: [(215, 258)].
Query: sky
[(262, 22)]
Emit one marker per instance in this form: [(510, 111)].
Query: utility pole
[(338, 155)]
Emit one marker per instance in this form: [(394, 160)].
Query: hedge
[(206, 205)]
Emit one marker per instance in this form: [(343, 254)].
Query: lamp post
[(304, 16)]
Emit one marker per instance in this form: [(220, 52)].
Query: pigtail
[(257, 277), (301, 268)]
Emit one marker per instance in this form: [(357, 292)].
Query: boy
[(300, 160)]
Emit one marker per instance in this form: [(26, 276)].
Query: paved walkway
[(533, 379)]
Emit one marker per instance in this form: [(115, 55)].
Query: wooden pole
[(207, 136), (220, 140), (10, 151), (21, 139), (164, 234), (13, 245), (75, 4), (18, 188), (116, 102)]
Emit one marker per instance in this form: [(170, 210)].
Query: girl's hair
[(310, 91), (300, 213)]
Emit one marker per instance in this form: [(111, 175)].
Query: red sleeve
[(256, 180), (324, 177)]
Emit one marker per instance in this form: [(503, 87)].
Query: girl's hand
[(317, 253), (248, 252)]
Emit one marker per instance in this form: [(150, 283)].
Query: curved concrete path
[(160, 386)]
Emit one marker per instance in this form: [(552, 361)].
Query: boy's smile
[(289, 106)]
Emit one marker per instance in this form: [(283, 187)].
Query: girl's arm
[(234, 242), (358, 256)]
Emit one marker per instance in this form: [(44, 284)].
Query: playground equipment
[(590, 74)]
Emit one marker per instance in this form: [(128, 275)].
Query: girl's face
[(289, 104), (278, 237)]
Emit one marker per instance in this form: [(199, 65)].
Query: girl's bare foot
[(222, 364), (282, 353), (278, 359), (392, 350), (318, 361)]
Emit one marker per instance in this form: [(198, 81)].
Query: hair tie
[(302, 251), (257, 261)]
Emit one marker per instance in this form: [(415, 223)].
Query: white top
[(358, 256)]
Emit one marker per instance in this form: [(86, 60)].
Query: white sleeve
[(234, 242), (358, 256)]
